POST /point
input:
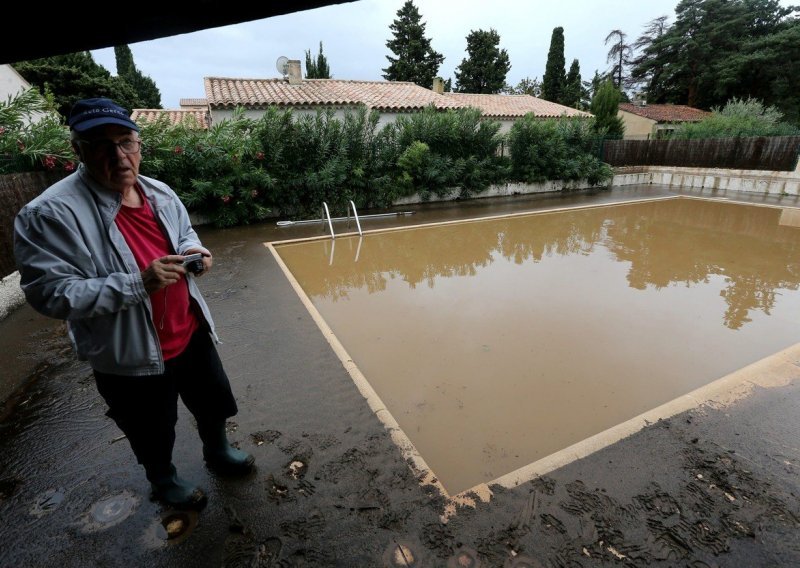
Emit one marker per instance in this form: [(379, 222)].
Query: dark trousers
[(146, 408)]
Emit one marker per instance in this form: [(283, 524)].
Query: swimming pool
[(494, 344)]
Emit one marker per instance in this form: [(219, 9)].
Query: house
[(194, 104), (645, 121), (11, 85), (189, 116), (390, 98)]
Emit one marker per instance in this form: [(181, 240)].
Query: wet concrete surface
[(715, 486)]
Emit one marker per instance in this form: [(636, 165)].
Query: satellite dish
[(282, 65)]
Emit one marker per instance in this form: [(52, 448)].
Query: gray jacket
[(75, 265)]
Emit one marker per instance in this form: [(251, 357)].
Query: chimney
[(438, 85), (295, 72)]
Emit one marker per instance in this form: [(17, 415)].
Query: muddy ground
[(715, 486)]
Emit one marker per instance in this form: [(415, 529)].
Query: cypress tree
[(574, 86), (145, 87), (554, 78), (318, 69)]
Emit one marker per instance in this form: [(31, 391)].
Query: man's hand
[(208, 260), (163, 272)]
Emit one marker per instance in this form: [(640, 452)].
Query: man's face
[(112, 155)]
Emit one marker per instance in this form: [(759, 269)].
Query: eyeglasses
[(109, 146)]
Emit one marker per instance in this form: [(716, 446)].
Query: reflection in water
[(482, 337), (665, 243)]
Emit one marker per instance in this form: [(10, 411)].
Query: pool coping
[(768, 372)]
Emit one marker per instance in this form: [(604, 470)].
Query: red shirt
[(172, 309)]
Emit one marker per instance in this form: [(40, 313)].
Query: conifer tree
[(573, 89), (76, 76), (486, 67), (415, 59), (605, 107), (318, 69), (145, 87), (554, 78)]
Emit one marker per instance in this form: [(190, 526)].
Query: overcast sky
[(354, 39)]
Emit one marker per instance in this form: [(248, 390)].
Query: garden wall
[(753, 181)]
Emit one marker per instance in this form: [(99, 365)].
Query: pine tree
[(619, 56), (318, 69), (486, 66), (145, 87), (554, 78), (416, 60)]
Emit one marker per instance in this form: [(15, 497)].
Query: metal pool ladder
[(327, 216)]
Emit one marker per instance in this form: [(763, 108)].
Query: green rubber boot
[(220, 456), (172, 490)]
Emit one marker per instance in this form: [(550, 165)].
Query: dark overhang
[(46, 30)]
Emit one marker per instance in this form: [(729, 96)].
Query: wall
[(15, 191), (11, 84), (636, 127), (339, 112), (752, 181), (500, 190)]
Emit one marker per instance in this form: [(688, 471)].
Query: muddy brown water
[(495, 343)]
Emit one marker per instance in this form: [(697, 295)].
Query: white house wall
[(218, 115), (11, 85)]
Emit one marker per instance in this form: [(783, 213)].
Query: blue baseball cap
[(89, 113)]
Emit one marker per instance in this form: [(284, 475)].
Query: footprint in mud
[(47, 502), (278, 491), (242, 550), (304, 529), (264, 437)]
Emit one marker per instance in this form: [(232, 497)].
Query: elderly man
[(104, 250)]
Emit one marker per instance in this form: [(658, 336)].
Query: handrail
[(328, 215), (355, 214)]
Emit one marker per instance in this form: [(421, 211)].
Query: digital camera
[(193, 263)]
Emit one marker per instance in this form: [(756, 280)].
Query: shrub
[(563, 149), (33, 136), (739, 117)]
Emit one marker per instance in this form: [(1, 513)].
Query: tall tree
[(555, 77), (76, 76), (319, 68), (641, 77), (573, 89), (605, 107), (145, 87), (485, 68), (619, 56), (720, 49), (415, 58)]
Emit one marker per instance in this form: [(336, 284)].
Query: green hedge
[(242, 170)]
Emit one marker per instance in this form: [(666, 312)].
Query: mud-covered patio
[(716, 485)]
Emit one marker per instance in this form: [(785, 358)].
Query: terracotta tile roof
[(380, 95), (193, 103), (666, 113), (261, 93), (501, 106), (174, 116)]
